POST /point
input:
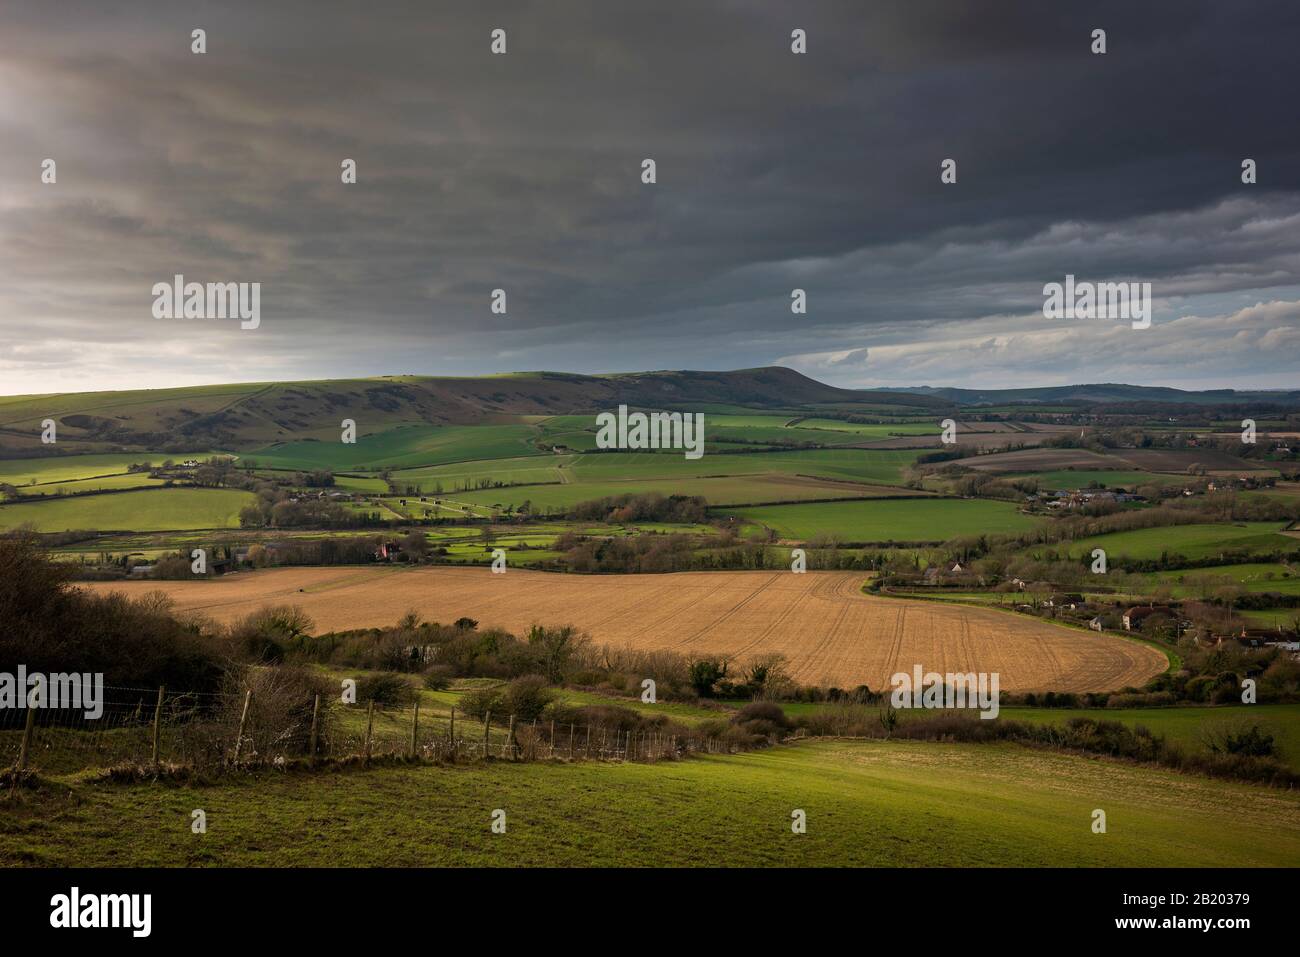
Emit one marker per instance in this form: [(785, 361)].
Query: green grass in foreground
[(891, 520), (868, 803)]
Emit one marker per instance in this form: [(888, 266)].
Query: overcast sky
[(775, 171)]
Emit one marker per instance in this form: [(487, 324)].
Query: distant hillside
[(1105, 394), (249, 415)]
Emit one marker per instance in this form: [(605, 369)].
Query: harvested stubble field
[(820, 621)]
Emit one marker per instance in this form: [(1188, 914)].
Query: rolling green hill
[(247, 416)]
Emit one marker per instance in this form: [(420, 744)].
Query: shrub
[(481, 701), (526, 697), (1244, 740), (763, 718), (52, 627), (706, 673), (386, 689), (437, 677), (280, 710), (268, 634)]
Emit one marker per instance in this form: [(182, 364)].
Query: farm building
[(1134, 617)]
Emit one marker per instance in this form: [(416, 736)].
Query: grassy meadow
[(1191, 541), (868, 803), (161, 509), (891, 520)]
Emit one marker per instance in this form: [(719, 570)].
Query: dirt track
[(820, 621)]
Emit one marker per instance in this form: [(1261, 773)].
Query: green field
[(873, 467), (532, 469), (68, 468), (868, 803), (103, 483), (716, 491), (356, 483), (401, 447), (750, 427), (1186, 725), (1202, 582), (1192, 541), (162, 509), (1273, 617), (1183, 724), (895, 520), (1082, 478)]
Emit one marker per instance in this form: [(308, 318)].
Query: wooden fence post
[(510, 738), (588, 742), (552, 737), (570, 740), (370, 724), (315, 718), (487, 727), (243, 720), (157, 720), (454, 749), (27, 736), (415, 727)]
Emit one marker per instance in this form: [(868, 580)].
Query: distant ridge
[(245, 416), (1102, 393)]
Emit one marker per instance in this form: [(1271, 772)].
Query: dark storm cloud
[(522, 172)]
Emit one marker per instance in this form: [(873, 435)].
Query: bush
[(437, 677), (52, 627), (386, 689), (481, 701), (526, 697), (1154, 699), (763, 718), (1244, 740), (706, 673), (267, 635), (280, 710)]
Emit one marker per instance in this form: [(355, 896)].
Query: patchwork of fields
[(830, 632)]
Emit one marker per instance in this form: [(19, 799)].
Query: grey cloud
[(522, 172)]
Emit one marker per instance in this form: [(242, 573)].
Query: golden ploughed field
[(820, 621)]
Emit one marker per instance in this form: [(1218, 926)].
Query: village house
[(387, 550), (1134, 617)]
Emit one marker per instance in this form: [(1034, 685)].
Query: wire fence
[(205, 731)]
